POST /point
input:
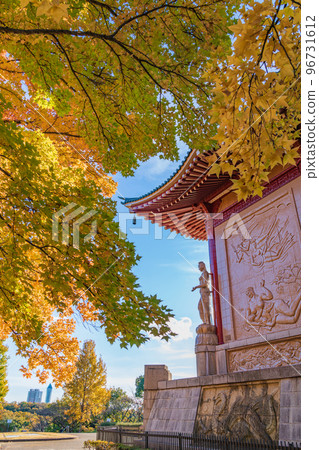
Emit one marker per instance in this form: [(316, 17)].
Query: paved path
[(71, 444)]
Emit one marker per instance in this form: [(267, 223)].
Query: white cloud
[(155, 166), (182, 328), (171, 352)]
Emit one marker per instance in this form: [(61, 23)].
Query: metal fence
[(181, 441)]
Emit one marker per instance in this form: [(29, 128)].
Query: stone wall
[(153, 374), (262, 404), (290, 409), (251, 387), (174, 410), (265, 265)]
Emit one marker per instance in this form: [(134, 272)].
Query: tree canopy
[(123, 408), (89, 88), (257, 95), (139, 386), (128, 73)]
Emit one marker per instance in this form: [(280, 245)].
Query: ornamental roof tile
[(133, 199)]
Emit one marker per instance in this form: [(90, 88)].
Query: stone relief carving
[(276, 355), (264, 272), (269, 244), (243, 412), (288, 275), (266, 309)]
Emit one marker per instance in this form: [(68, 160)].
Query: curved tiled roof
[(133, 199), (177, 197), (177, 204)]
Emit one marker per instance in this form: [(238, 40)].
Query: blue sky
[(162, 271)]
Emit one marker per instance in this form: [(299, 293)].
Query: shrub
[(100, 445), (103, 445)]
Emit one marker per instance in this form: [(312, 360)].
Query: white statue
[(204, 302)]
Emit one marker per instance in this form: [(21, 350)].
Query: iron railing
[(182, 441)]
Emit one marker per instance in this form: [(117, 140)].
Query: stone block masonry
[(261, 404), (174, 410), (153, 375)]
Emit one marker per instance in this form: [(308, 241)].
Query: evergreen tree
[(86, 393), (139, 386)]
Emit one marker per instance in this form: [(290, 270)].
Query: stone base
[(261, 404), (206, 335), (205, 346)]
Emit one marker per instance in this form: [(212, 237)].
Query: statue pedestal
[(205, 346)]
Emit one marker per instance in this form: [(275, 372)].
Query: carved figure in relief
[(204, 302), (288, 275), (277, 355), (239, 414), (268, 245), (257, 309), (257, 416), (248, 251), (266, 311)]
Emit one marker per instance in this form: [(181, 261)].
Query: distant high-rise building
[(34, 396), (49, 393)]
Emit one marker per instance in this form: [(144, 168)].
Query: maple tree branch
[(6, 173), (143, 14), (284, 49), (111, 38), (164, 5), (10, 92), (53, 31), (129, 49), (39, 64), (29, 122), (3, 289), (77, 136), (81, 84), (42, 249), (103, 5), (268, 32)]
